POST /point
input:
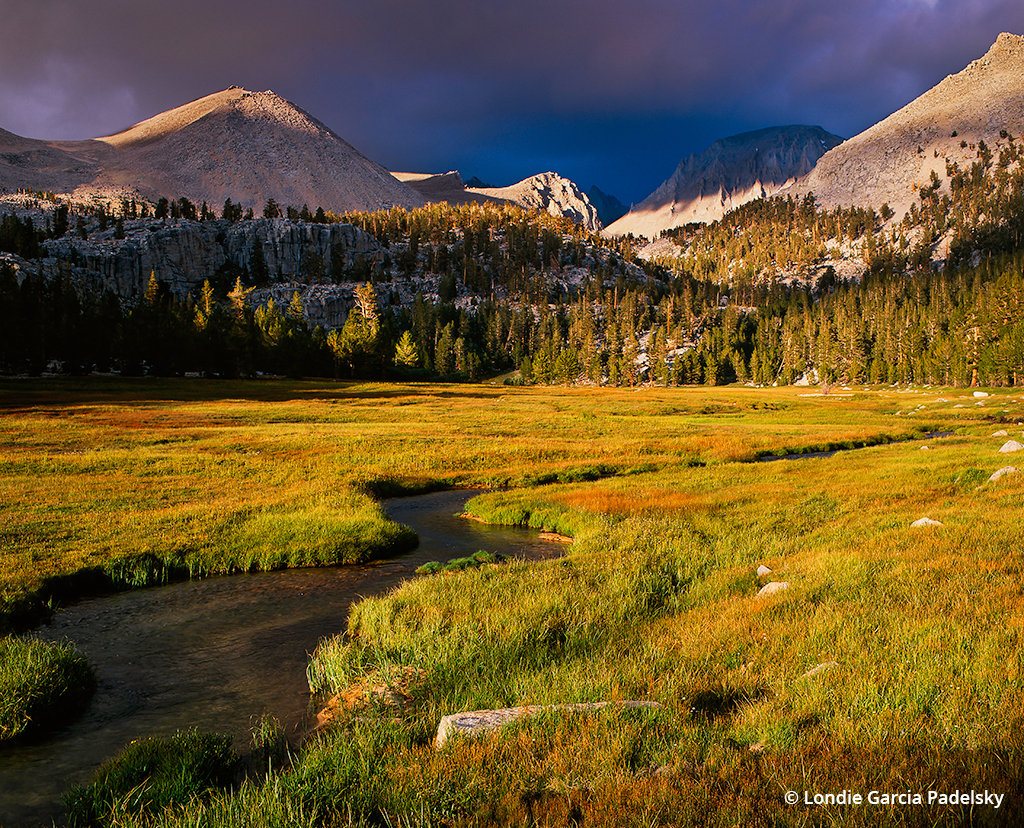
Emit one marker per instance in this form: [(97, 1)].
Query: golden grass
[(655, 599)]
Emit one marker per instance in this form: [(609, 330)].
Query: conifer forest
[(936, 296)]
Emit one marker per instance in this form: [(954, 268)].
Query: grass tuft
[(42, 686), (152, 774)]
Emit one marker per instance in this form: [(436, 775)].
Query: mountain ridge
[(255, 146), (548, 192), (730, 172)]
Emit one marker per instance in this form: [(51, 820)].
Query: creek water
[(216, 654), (811, 455)]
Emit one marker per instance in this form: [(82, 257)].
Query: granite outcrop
[(183, 254)]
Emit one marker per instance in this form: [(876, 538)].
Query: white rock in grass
[(981, 393), (1001, 433), (1011, 445), (1004, 470), (772, 587), (821, 668), (763, 570), (925, 521), (480, 721)]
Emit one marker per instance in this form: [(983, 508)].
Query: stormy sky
[(604, 92)]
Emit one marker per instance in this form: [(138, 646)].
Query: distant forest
[(750, 298)]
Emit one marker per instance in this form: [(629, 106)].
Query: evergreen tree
[(406, 353)]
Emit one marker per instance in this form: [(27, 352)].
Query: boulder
[(475, 722), (763, 571), (1005, 470), (1011, 445), (772, 587), (926, 521), (554, 537), (820, 668)]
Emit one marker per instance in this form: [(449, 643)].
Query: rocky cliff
[(727, 174), (185, 253)]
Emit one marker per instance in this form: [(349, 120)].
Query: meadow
[(891, 663)]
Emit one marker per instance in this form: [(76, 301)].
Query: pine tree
[(444, 357), (406, 353), (296, 310)]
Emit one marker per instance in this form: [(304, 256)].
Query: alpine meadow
[(764, 423)]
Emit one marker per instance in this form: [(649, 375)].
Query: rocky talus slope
[(727, 174), (889, 162), (48, 166)]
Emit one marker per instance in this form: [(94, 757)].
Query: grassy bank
[(150, 775), (892, 662), (42, 685)]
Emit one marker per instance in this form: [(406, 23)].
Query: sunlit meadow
[(892, 661)]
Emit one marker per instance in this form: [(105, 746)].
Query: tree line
[(526, 291)]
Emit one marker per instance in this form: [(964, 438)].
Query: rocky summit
[(727, 174), (547, 192), (246, 146)]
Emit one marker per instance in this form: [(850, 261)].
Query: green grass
[(477, 559), (42, 685), (656, 598), (152, 774)]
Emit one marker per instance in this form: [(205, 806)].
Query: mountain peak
[(890, 161), (1007, 43), (728, 173), (237, 144), (550, 192), (608, 207)]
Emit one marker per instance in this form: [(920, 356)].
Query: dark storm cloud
[(604, 92)]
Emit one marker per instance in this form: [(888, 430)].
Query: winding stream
[(215, 654)]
